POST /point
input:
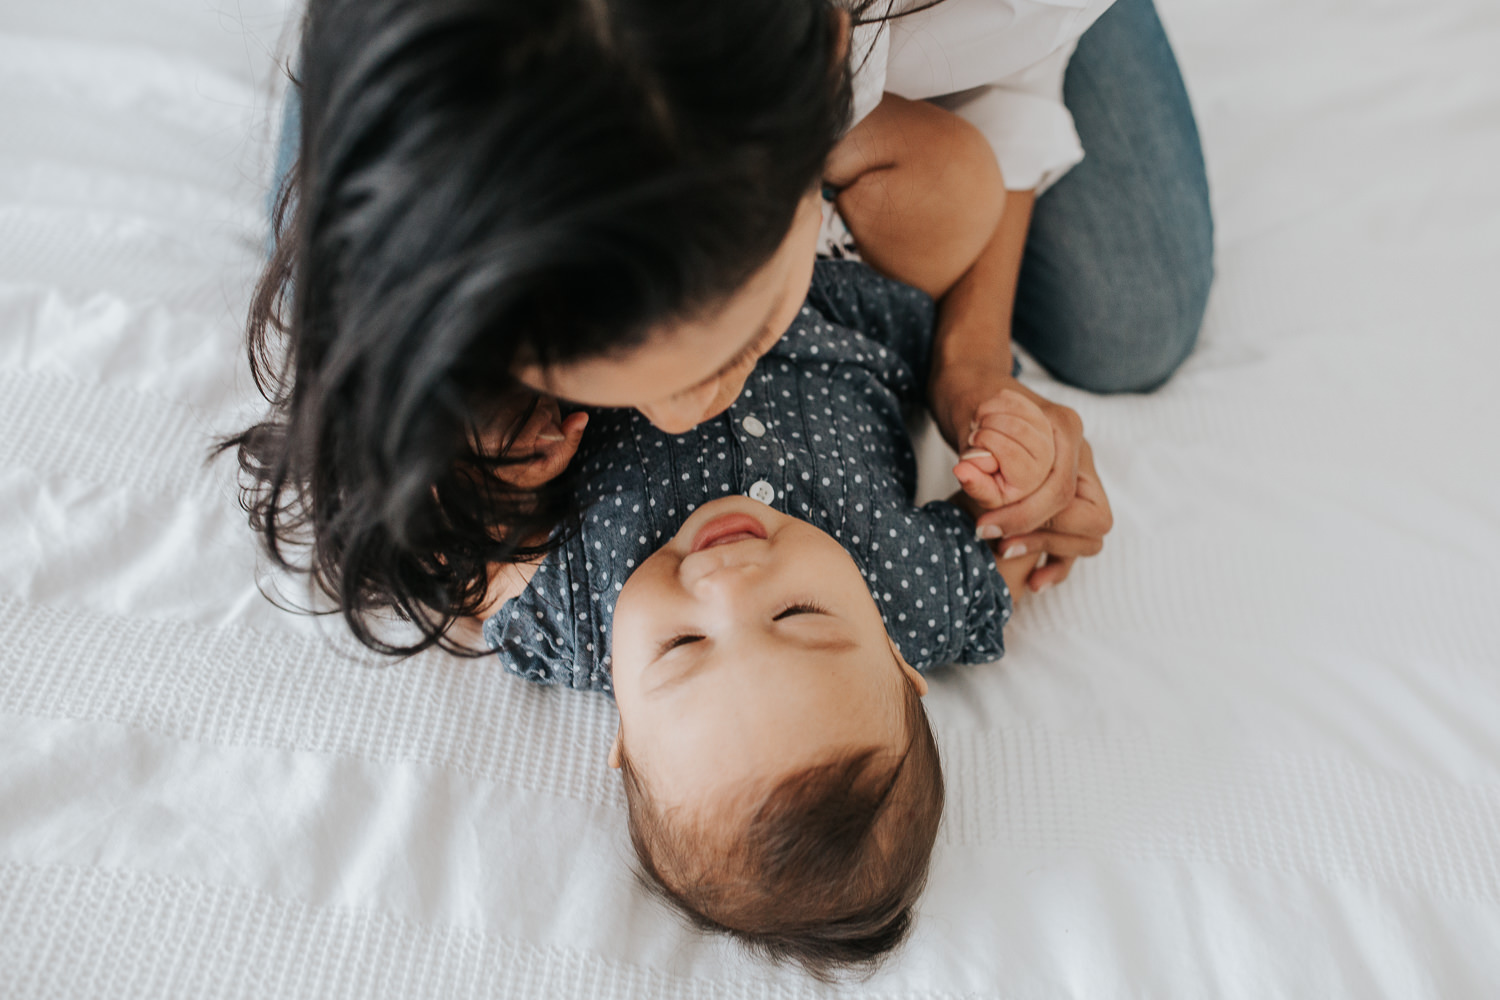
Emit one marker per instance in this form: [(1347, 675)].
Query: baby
[(761, 596)]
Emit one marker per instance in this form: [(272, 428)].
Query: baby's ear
[(614, 751), (913, 675)]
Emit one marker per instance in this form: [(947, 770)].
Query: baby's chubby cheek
[(643, 601)]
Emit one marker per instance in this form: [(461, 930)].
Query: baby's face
[(745, 648)]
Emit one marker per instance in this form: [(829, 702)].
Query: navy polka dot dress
[(818, 433)]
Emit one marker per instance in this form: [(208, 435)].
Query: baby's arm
[(920, 191), (1014, 570)]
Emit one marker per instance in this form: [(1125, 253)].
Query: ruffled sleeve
[(942, 597), (548, 634)]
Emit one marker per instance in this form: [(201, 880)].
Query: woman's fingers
[(573, 427), (1094, 515), (546, 445), (1050, 575), (1056, 544), (1010, 402), (557, 447), (1076, 532), (543, 426)]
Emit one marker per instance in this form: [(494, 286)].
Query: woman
[(445, 218)]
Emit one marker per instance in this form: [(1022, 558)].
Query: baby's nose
[(723, 580)]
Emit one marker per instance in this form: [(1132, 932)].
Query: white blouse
[(997, 63)]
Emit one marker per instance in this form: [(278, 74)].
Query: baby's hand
[(1010, 451), (543, 446)]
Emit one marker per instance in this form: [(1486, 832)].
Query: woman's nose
[(684, 411)]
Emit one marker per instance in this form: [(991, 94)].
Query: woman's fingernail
[(1018, 549), (550, 438), (987, 533), (972, 453)]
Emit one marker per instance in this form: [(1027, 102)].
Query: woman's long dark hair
[(482, 180)]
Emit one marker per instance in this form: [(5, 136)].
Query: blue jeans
[(1119, 259), (1120, 255), (286, 146)]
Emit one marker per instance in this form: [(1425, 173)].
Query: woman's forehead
[(667, 363), (679, 355)]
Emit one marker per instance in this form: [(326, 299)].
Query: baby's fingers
[(981, 460), (1020, 470), (1010, 401), (1035, 439), (974, 473)]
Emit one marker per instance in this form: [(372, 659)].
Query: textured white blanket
[(1252, 750)]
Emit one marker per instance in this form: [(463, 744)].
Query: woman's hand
[(1069, 515), (1077, 530), (544, 444)]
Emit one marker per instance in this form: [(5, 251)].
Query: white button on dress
[(762, 490), (753, 427)]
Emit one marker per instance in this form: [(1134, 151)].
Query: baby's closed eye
[(681, 639), (800, 608)]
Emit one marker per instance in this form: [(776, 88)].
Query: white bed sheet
[(1253, 750)]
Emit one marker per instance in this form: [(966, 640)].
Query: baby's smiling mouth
[(727, 529)]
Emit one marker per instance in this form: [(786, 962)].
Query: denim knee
[(1128, 343), (1119, 259)]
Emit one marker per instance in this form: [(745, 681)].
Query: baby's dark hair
[(829, 867), (482, 181)]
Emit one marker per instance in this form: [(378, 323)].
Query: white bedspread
[(1253, 750)]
